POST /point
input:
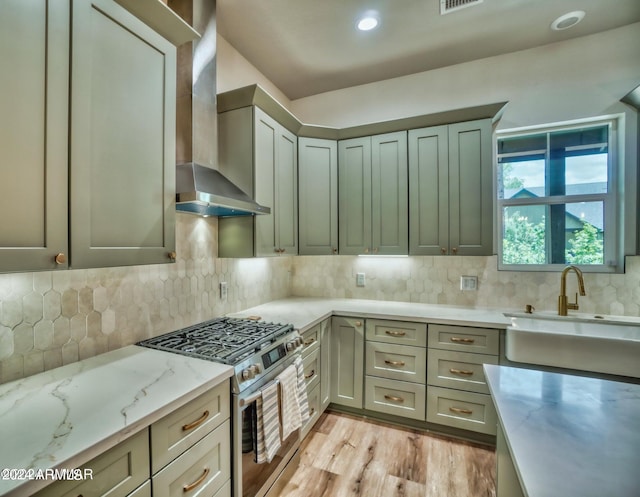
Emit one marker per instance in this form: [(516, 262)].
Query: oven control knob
[(257, 368), (291, 346), (248, 374)]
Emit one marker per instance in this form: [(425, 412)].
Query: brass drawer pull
[(197, 422), (462, 340), (309, 342), (394, 398), (461, 411), (191, 486), (394, 363), (310, 375), (358, 323), (394, 333), (312, 411), (460, 371)]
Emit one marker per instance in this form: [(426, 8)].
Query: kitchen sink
[(602, 344)]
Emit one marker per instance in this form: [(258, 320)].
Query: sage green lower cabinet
[(397, 362), (315, 359), (143, 490), (507, 482), (313, 397), (399, 398), (461, 370), (347, 361), (318, 196), (116, 473), (204, 468), (461, 409), (325, 364)]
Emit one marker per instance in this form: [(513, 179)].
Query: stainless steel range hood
[(200, 188), (207, 192)]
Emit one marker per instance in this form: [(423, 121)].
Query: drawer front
[(311, 340), (466, 410), (461, 370), (116, 473), (204, 468), (464, 339), (396, 362), (399, 332), (395, 397), (314, 410), (311, 365), (178, 431)]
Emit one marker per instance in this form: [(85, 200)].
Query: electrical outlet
[(359, 279), (223, 290), (469, 283)]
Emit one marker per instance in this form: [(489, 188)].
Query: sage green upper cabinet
[(373, 195), (261, 157), (451, 191), (318, 194), (34, 50), (122, 139)]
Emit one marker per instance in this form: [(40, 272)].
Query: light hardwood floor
[(346, 456)]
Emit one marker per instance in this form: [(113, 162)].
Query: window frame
[(611, 200)]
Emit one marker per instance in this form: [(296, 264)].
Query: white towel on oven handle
[(303, 401), (290, 417), (267, 429)]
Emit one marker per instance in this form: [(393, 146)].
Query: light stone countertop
[(67, 416), (305, 312), (569, 436)]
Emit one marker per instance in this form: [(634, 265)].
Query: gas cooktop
[(225, 340)]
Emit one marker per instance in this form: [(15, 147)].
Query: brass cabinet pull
[(394, 363), (191, 486), (197, 422), (395, 333), (309, 342), (462, 340), (394, 398), (460, 371), (335, 250), (172, 255), (312, 411), (60, 258), (366, 251), (443, 250), (310, 375), (454, 250), (358, 323), (375, 250), (461, 411)]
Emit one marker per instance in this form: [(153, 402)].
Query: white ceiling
[(306, 47)]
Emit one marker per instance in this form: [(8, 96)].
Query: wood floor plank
[(348, 456)]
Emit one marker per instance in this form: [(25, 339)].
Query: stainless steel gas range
[(258, 352)]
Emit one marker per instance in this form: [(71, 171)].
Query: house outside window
[(557, 197)]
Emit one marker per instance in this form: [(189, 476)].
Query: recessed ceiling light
[(367, 23), (568, 20)]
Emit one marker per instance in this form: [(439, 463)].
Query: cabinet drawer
[(464, 338), (314, 410), (178, 431), (117, 472), (311, 365), (400, 332), (142, 491), (461, 370), (397, 362), (311, 339), (466, 410), (205, 467), (395, 397)]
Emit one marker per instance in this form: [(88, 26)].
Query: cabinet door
[(428, 191), (122, 143), (286, 190), (354, 191), (318, 195), (325, 363), (265, 157), (470, 188), (347, 361), (389, 194), (34, 50)]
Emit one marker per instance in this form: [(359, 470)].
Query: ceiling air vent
[(448, 6)]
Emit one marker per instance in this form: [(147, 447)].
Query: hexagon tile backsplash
[(52, 318)]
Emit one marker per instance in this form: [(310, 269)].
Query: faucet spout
[(563, 304)]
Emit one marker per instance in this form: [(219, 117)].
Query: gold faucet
[(563, 304)]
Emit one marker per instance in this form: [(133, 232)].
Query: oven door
[(252, 479)]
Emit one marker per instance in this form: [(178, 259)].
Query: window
[(557, 197)]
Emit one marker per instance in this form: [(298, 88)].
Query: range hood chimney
[(200, 187)]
